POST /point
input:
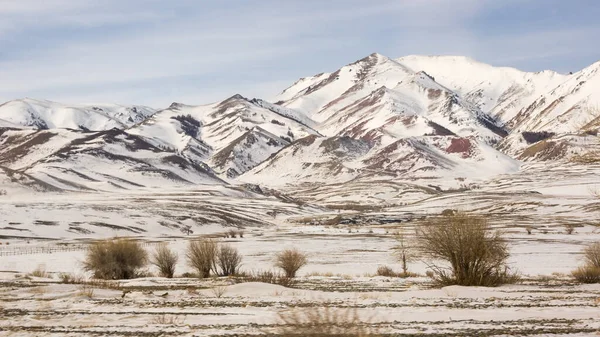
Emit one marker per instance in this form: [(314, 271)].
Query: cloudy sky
[(155, 52)]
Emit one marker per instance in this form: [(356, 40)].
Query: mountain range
[(438, 122)]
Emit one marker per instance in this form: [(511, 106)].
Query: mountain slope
[(51, 115), (69, 160), (499, 91), (232, 136)]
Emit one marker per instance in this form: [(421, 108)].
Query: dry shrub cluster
[(115, 259), (290, 261), (590, 271), (165, 260), (472, 254), (325, 321), (208, 256), (267, 276)]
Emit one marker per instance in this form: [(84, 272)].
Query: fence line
[(22, 250)]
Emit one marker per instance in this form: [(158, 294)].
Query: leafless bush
[(476, 256), (86, 290), (386, 271), (202, 256), (40, 271), (529, 229), (115, 259), (167, 320), (325, 321), (569, 229), (232, 233), (290, 261), (592, 255), (218, 291), (240, 233), (228, 260), (403, 252), (590, 272), (70, 278), (165, 260)]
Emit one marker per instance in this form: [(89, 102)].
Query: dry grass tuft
[(86, 290), (290, 261), (587, 274), (40, 271)]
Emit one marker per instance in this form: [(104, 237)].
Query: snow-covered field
[(341, 274)]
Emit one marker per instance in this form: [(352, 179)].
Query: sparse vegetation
[(40, 271), (569, 229), (386, 271), (325, 321), (115, 259), (590, 271), (267, 276), (167, 320), (228, 260), (218, 291), (403, 252), (474, 255), (202, 256), (529, 229), (165, 260), (290, 261), (86, 290)]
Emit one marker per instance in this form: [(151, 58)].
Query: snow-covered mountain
[(232, 136), (70, 160), (51, 115), (430, 120), (499, 91)]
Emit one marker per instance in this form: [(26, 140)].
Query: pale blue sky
[(193, 51)]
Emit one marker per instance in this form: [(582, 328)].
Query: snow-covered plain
[(340, 275)]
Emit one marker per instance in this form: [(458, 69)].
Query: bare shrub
[(325, 321), (290, 261), (592, 255), (165, 260), (228, 260), (241, 234), (115, 259), (202, 256), (476, 255), (218, 291), (86, 290), (386, 271), (590, 272), (40, 271), (232, 233), (529, 229), (587, 274), (70, 278), (403, 252), (569, 229), (167, 320)]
